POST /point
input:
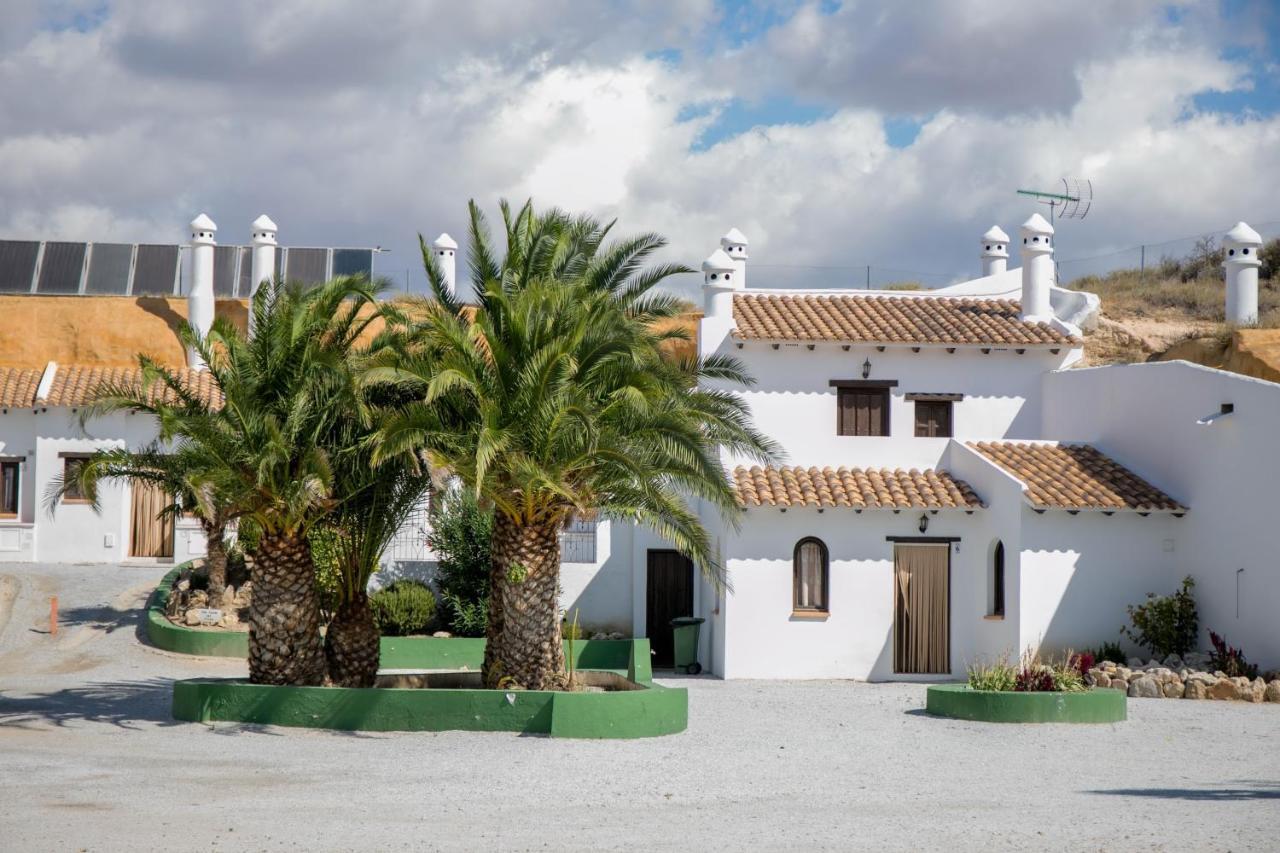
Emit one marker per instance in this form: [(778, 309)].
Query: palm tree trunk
[(525, 650), (284, 614), (352, 645), (215, 559)]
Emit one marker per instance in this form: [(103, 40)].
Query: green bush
[(1167, 625), (995, 675), (403, 608), (328, 576), (460, 533), (1109, 650)]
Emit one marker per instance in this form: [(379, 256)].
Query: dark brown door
[(670, 594)]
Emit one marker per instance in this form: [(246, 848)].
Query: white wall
[(1227, 474), (763, 640), (600, 592), (793, 402)]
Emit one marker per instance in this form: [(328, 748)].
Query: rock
[(1134, 663), (443, 635), (1152, 664), (1219, 674), (193, 617), (1203, 676), (228, 601), (1195, 690), (1272, 693), (1195, 660), (1124, 672), (230, 619), (599, 635), (1184, 673), (1257, 690), (1119, 684), (1101, 679), (184, 585), (1223, 688), (199, 598), (1144, 687), (1173, 662), (1173, 690)]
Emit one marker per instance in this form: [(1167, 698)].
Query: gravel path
[(91, 761)]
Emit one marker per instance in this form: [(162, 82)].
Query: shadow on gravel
[(105, 619), (1250, 790), (120, 703)]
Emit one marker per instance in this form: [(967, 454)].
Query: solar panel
[(17, 265), (353, 262), (153, 273), (307, 265), (246, 271), (224, 270), (61, 268), (109, 268)]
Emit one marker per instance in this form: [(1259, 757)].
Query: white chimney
[(734, 244), (719, 283), (1037, 268), (446, 251), (1241, 265), (995, 251), (200, 294), (262, 266)]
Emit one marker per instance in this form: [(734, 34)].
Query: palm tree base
[(284, 616), (526, 650), (352, 645)]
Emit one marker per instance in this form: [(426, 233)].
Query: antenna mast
[(1073, 202)]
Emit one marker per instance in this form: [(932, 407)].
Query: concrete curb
[(1090, 706)]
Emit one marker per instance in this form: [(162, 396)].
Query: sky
[(835, 135)]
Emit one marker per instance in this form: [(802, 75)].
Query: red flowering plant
[(1230, 659)]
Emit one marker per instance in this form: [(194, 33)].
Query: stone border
[(650, 711), (165, 635), (962, 703), (630, 658)]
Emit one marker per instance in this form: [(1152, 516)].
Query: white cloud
[(350, 128)]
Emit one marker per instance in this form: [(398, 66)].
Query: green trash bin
[(684, 630)]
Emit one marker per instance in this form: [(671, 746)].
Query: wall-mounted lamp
[(866, 368), (924, 522)]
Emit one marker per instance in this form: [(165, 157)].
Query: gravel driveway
[(91, 761)]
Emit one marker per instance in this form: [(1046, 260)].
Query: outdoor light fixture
[(866, 368), (924, 522)]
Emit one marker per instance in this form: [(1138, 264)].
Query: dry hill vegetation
[(1174, 303)]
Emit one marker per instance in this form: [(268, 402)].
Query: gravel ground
[(91, 761)]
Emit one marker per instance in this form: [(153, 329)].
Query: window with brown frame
[(933, 418), (809, 575), (863, 411), (71, 466), (10, 482)]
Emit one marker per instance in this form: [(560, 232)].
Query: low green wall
[(1090, 706), (625, 657), (649, 712)]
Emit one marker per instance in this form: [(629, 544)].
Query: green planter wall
[(647, 712), (625, 657), (1090, 706)]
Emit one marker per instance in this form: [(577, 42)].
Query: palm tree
[(283, 390), (372, 502), (550, 399)]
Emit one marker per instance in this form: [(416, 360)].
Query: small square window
[(933, 418), (10, 482), (71, 466)]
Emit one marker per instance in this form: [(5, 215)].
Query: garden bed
[(623, 709), (994, 706)]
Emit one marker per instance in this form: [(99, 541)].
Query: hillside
[(1175, 311)]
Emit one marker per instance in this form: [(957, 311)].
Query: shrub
[(328, 575), (405, 607), (1167, 625), (1109, 650), (994, 675), (1229, 659), (572, 631), (460, 533)]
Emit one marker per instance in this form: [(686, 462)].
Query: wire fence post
[(1142, 264), (868, 276)]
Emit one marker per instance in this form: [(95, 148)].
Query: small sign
[(209, 615)]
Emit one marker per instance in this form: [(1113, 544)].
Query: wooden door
[(922, 608), (152, 534), (670, 594)]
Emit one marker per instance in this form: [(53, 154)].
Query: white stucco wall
[(792, 400), (1145, 416)]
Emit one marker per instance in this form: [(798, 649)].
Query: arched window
[(809, 576), (997, 579)]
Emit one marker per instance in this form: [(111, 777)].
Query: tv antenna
[(1072, 203)]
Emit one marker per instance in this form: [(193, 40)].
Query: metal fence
[(1147, 258), (151, 269), (578, 542)]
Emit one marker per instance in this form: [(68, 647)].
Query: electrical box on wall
[(109, 540)]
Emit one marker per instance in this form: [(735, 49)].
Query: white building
[(955, 486)]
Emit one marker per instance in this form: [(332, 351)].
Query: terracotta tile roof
[(1075, 476), (889, 320), (852, 487), (75, 386), (18, 386)]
